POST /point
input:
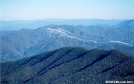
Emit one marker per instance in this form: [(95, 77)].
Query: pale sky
[(66, 9)]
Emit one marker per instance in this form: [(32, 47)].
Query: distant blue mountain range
[(22, 43), (32, 24)]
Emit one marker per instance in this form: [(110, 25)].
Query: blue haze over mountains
[(28, 38), (32, 24)]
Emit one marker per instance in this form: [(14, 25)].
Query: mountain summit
[(70, 65)]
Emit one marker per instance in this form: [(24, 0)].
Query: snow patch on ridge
[(120, 42), (62, 33)]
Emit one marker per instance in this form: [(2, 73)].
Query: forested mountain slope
[(70, 65), (28, 42)]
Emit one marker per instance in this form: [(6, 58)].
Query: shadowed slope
[(73, 65)]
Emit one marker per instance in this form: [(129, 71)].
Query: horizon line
[(63, 19)]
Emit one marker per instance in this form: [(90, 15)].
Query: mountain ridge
[(28, 42), (72, 65)]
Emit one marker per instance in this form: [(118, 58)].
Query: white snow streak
[(63, 33), (120, 42)]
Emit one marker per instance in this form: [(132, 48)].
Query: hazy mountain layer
[(32, 24), (27, 42)]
